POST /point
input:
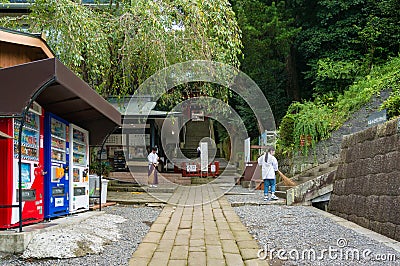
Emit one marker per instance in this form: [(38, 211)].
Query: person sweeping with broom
[(153, 162), (269, 165)]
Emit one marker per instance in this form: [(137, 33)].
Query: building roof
[(34, 42), (58, 90), (138, 107)]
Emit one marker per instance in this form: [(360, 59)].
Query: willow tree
[(115, 46)]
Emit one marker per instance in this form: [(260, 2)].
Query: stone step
[(280, 194), (140, 178), (307, 175), (305, 178), (126, 189), (120, 174), (192, 153), (160, 189), (232, 175), (183, 182), (283, 187), (228, 172), (122, 184), (200, 181)]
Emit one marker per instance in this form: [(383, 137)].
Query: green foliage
[(268, 34), (362, 32), (393, 104), (392, 78), (100, 168), (319, 118), (310, 123), (116, 47), (286, 131), (386, 77), (335, 75)]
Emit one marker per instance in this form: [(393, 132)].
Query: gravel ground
[(300, 229), (297, 230), (246, 195), (137, 224)]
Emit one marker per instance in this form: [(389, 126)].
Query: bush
[(313, 121)]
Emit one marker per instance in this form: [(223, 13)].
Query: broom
[(286, 180)]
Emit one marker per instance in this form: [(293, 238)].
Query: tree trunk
[(292, 88)]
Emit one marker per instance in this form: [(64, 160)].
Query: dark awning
[(59, 91)]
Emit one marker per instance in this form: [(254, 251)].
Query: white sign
[(191, 168), (204, 156), (377, 118), (247, 150), (58, 202), (213, 168), (197, 116)]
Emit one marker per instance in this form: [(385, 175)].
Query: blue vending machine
[(56, 181)]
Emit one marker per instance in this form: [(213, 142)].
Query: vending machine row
[(54, 168)]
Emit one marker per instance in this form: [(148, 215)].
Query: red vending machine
[(32, 158)]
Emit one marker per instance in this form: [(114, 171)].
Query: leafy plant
[(392, 104), (100, 168), (313, 121), (115, 47), (337, 75)]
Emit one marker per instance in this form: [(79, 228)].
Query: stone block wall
[(367, 182)]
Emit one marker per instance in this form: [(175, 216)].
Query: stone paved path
[(197, 227)]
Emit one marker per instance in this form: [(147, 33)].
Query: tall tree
[(268, 33), (116, 46), (342, 39)]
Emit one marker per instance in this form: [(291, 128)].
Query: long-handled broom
[(286, 180)]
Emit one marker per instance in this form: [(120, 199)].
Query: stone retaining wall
[(367, 182)]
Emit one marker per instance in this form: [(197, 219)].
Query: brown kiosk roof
[(60, 92)]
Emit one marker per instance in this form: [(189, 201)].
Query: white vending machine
[(79, 169)]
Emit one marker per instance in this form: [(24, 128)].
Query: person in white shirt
[(153, 162), (269, 166)]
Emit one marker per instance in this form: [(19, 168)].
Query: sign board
[(213, 168), (197, 115), (262, 139), (204, 156), (247, 150), (268, 138), (139, 139), (191, 168), (114, 139), (102, 155), (377, 118)]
